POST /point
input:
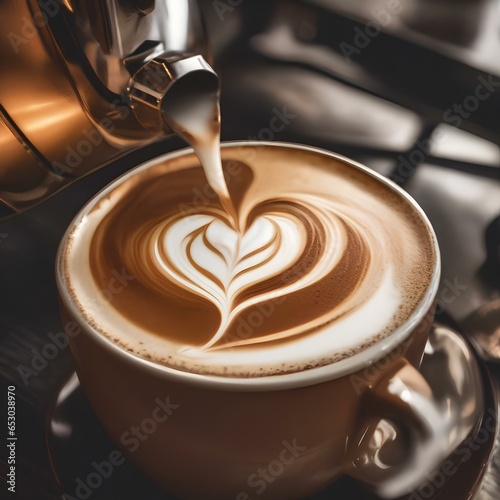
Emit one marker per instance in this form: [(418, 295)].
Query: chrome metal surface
[(149, 87), (112, 33), (65, 108)]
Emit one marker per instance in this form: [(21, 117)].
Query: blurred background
[(410, 88), (400, 86)]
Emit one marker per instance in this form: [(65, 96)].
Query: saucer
[(77, 443)]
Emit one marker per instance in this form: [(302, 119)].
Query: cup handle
[(397, 459)]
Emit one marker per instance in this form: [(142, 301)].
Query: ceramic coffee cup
[(280, 437)]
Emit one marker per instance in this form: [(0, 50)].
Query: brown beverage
[(294, 258), (327, 266), (328, 261)]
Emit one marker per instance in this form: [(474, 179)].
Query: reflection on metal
[(67, 4), (65, 107), (149, 86)]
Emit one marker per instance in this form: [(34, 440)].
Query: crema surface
[(327, 261)]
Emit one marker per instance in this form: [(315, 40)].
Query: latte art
[(209, 258), (326, 262)]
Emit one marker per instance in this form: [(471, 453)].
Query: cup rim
[(363, 359)]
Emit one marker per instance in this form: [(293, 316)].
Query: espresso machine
[(85, 82)]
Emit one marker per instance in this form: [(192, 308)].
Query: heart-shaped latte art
[(286, 248), (203, 254), (207, 256), (323, 266)]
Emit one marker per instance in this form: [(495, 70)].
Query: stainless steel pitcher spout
[(84, 82)]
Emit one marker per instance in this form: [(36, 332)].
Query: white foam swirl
[(207, 257), (322, 267)]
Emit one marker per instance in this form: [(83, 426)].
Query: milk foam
[(327, 262), (210, 258)]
